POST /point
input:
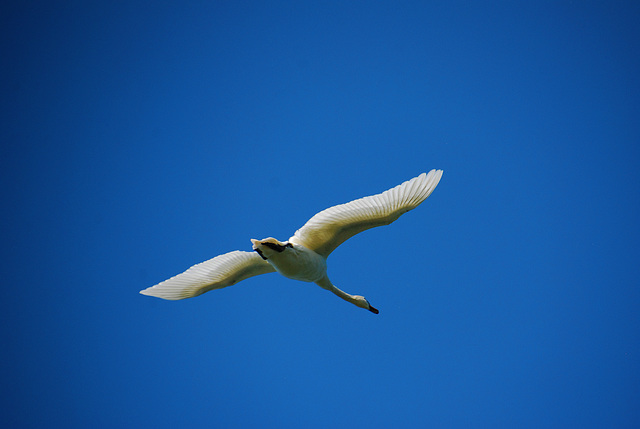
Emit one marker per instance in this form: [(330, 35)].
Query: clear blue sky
[(139, 138)]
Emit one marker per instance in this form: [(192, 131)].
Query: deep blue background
[(139, 138)]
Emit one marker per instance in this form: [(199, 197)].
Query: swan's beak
[(256, 248), (373, 310)]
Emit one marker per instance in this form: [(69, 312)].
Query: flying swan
[(304, 256)]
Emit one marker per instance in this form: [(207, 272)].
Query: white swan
[(304, 256)]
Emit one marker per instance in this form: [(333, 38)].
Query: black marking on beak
[(260, 253), (274, 246), (373, 310)]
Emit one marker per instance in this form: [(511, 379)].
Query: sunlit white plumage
[(304, 256)]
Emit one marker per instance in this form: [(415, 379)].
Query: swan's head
[(269, 247), (361, 302)]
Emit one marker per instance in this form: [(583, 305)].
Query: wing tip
[(422, 186), (147, 292), (434, 172), (433, 178), (150, 291)]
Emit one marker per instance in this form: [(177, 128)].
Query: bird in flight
[(304, 255)]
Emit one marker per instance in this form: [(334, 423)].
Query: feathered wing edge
[(331, 227), (221, 271)]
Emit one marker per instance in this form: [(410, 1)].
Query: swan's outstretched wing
[(221, 271), (331, 227)]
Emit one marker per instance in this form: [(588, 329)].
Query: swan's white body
[(304, 256)]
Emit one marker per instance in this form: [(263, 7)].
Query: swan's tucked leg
[(358, 300)]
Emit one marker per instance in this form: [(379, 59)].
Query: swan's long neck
[(325, 283)]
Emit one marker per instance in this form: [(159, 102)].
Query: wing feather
[(221, 271), (331, 227)]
